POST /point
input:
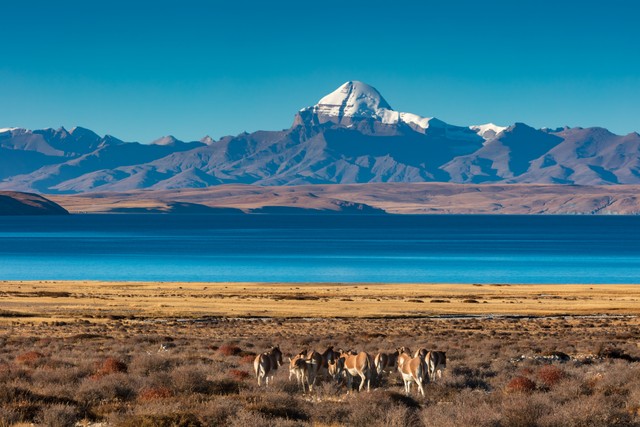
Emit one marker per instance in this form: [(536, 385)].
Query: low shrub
[(521, 384), (30, 358), (111, 365), (8, 416), (154, 393), (217, 412), (279, 405), (229, 350), (166, 420), (550, 375), (114, 387), (224, 387), (521, 412), (239, 374), (59, 415), (248, 359), (190, 379), (149, 363)]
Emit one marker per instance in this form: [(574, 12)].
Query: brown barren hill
[(17, 203), (394, 198)]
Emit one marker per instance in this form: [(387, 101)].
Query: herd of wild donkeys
[(306, 366)]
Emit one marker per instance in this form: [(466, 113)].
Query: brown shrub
[(229, 350), (58, 415), (279, 405), (8, 416), (243, 418), (217, 412), (550, 375), (148, 364), (111, 365), (245, 353), (114, 387), (190, 379), (29, 358), (521, 384), (166, 420), (524, 412), (526, 372), (468, 408), (239, 374), (370, 408), (224, 387), (154, 393), (248, 359)]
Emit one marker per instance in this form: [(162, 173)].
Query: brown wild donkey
[(299, 368), (412, 370), (266, 364), (360, 365), (436, 362)]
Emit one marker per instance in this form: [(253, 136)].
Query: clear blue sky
[(141, 70)]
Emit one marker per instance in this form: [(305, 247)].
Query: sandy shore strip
[(64, 300)]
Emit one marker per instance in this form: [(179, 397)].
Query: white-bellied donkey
[(266, 364), (360, 365), (412, 369)]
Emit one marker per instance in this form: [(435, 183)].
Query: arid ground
[(180, 354), (395, 198)]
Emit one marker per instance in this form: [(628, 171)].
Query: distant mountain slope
[(352, 135), (15, 203)]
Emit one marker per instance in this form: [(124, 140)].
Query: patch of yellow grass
[(29, 301)]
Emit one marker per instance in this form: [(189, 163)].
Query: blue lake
[(324, 248)]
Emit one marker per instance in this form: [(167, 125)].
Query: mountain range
[(350, 136)]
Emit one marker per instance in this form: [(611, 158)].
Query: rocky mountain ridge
[(352, 135)]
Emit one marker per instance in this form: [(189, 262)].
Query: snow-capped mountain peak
[(488, 130), (169, 140), (353, 99), (2, 130), (207, 140), (356, 101)]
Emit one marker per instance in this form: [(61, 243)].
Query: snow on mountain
[(2, 130), (488, 130), (172, 141), (356, 101), (207, 140), (353, 99), (166, 140)]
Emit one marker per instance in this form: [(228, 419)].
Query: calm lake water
[(325, 248)]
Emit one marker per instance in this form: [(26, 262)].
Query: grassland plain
[(180, 354)]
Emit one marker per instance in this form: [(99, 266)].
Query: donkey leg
[(420, 386)]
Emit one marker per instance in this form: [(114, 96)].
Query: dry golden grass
[(67, 300)]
